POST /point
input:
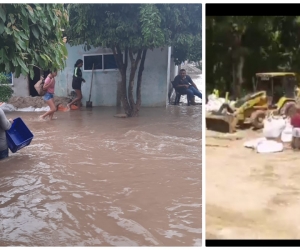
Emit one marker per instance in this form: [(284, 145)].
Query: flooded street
[(90, 179)]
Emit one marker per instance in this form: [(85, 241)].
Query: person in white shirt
[(5, 124)]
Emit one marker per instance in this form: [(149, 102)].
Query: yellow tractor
[(273, 92)]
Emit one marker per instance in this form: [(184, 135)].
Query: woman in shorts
[(49, 85), (76, 83)]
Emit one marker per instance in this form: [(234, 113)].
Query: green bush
[(3, 78), (5, 93), (5, 90)]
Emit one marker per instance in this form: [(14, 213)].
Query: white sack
[(269, 146)]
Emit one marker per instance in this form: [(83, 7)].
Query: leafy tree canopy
[(31, 35), (139, 26), (266, 43)]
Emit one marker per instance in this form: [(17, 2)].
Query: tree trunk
[(237, 63), (119, 88), (134, 63), (124, 100), (119, 94), (122, 66), (239, 72), (139, 83), (131, 107), (233, 87)]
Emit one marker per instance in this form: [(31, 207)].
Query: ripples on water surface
[(91, 179)]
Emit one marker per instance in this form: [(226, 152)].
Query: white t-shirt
[(4, 125)]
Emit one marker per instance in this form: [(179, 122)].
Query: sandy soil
[(250, 195), (36, 102)]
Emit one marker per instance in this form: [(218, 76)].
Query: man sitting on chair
[(185, 86)]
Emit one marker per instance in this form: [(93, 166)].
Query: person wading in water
[(48, 97), (76, 83)]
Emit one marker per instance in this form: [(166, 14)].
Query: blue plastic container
[(18, 136)]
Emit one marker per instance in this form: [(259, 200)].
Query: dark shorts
[(76, 84), (3, 154)]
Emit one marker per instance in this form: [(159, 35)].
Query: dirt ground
[(36, 102), (250, 195)]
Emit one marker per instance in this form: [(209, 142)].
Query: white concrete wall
[(154, 81), (20, 86), (174, 70), (104, 91)]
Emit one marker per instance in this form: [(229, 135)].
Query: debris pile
[(32, 104), (35, 102)]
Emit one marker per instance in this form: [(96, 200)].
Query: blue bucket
[(18, 136)]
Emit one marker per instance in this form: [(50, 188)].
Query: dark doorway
[(37, 76)]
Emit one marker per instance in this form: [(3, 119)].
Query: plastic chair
[(178, 96)]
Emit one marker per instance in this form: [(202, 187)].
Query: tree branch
[(138, 58), (117, 58), (131, 55), (120, 55), (126, 57)]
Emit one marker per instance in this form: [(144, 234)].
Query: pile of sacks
[(276, 132), (6, 107), (214, 103)]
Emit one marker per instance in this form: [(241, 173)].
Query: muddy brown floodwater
[(90, 179), (250, 195)]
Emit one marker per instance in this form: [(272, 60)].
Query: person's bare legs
[(51, 111), (51, 116), (77, 99)]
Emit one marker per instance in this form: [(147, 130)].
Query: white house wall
[(20, 86), (104, 91), (174, 70)]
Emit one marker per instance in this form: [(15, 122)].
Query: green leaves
[(137, 26), (151, 26), (25, 25), (21, 45), (5, 93), (35, 32), (2, 14), (1, 26), (28, 31), (30, 10), (22, 64), (22, 35), (3, 78)]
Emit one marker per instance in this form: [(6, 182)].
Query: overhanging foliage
[(31, 35)]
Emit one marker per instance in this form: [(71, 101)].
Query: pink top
[(51, 83)]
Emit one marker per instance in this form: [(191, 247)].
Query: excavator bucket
[(222, 120), (225, 119), (225, 123)]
